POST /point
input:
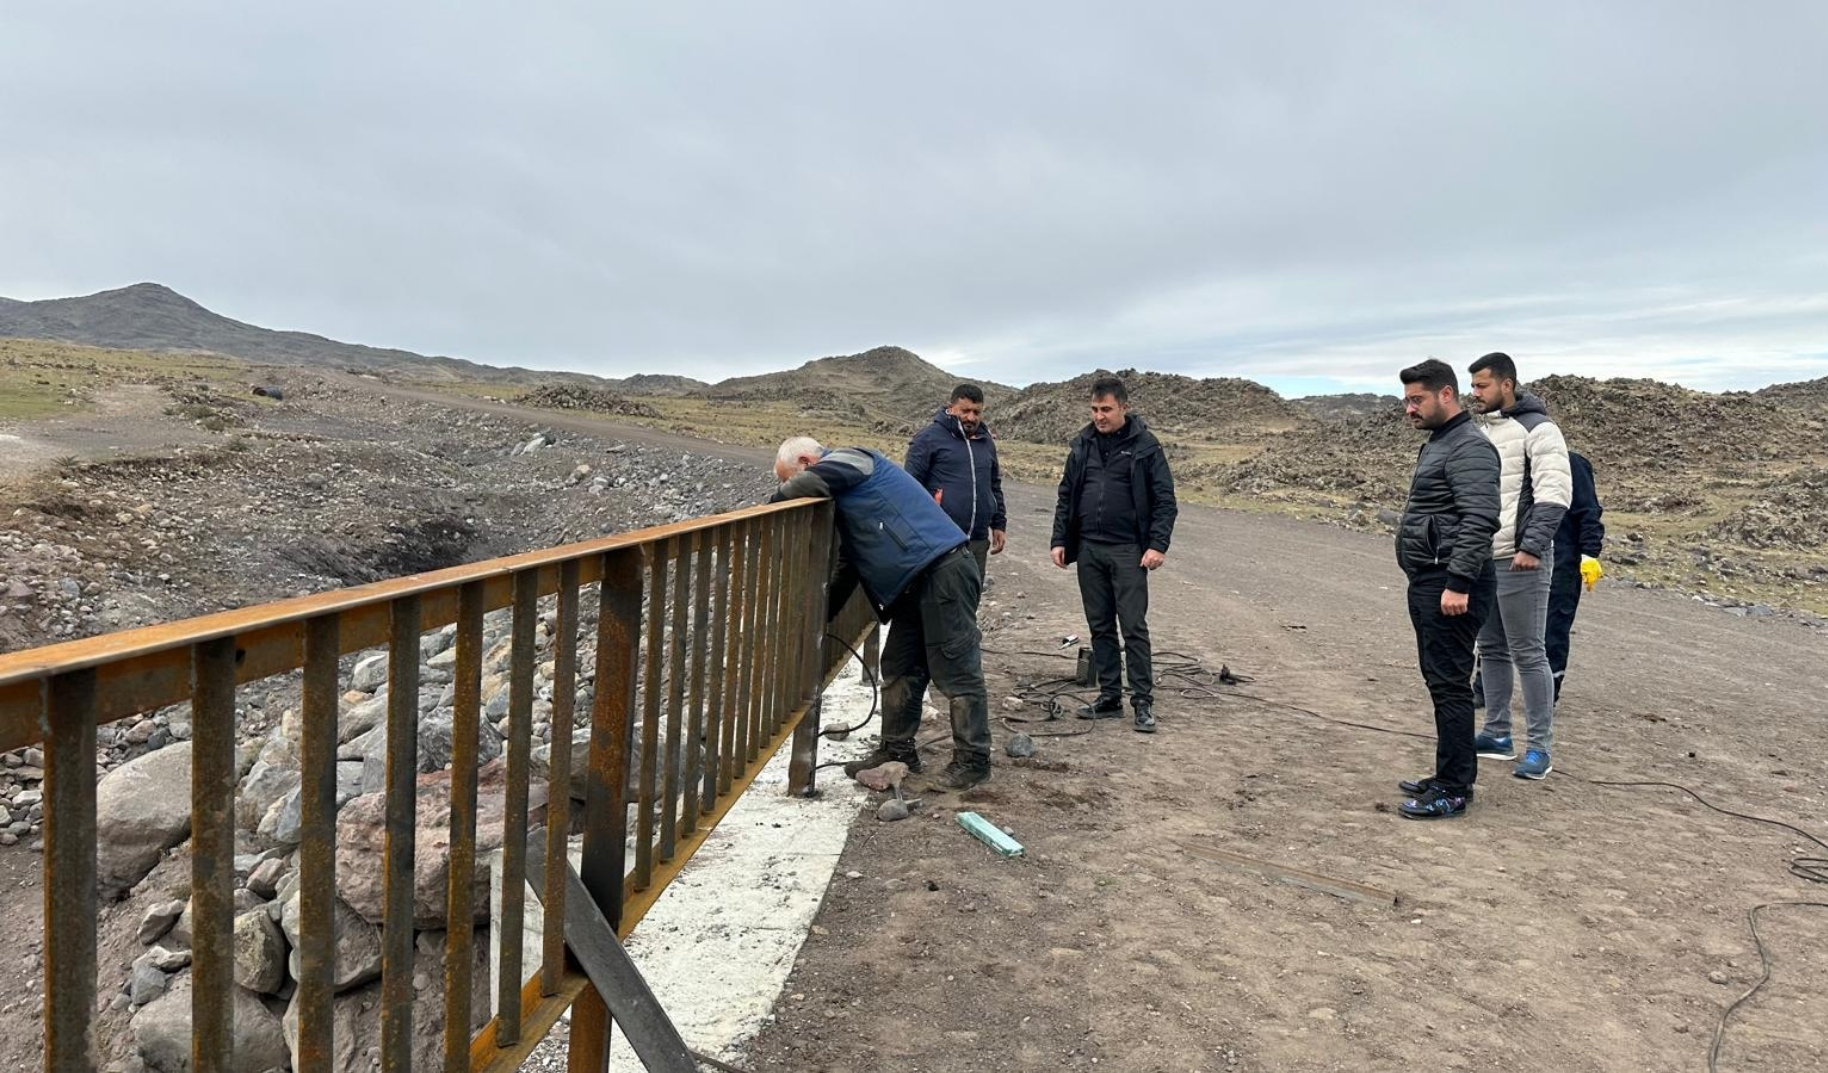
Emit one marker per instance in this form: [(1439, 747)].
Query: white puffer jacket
[(1537, 485)]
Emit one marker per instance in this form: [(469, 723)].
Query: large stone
[(357, 1014), (358, 945), (361, 837), (285, 819), (159, 920), (436, 743), (260, 953), (145, 983), (370, 674), (359, 719), (264, 880), (265, 784), (142, 809), (162, 1031)]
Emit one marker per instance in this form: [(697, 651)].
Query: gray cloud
[(1312, 196)]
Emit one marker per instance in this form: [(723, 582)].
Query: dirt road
[(1557, 926), (1560, 925)]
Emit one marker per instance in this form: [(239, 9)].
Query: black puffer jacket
[(1453, 506)]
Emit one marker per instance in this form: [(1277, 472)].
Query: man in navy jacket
[(912, 563), (955, 458)]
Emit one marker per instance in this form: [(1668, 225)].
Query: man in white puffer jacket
[(1536, 488)]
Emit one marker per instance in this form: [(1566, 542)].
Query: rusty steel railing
[(733, 678)]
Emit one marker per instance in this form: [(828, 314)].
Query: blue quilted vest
[(892, 530)]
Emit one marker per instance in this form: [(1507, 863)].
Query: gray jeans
[(1513, 638)]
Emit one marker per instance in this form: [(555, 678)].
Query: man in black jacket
[(1114, 517), (1444, 545), (1577, 550), (955, 458)]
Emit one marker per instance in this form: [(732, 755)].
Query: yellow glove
[(1591, 571)]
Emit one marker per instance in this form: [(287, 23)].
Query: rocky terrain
[(335, 485), (1184, 408), (888, 387), (595, 400)]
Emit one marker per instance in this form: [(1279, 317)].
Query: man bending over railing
[(914, 564)]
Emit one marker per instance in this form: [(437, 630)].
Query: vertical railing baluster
[(695, 724), (69, 872), (760, 638), (612, 724), (317, 845), (212, 855), (650, 713), (460, 896), (719, 610), (514, 811), (402, 808), (740, 649), (805, 763), (558, 793), (680, 606)]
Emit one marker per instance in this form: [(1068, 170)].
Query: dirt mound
[(1646, 426), (595, 400), (890, 388), (1362, 459), (1345, 407), (1789, 513), (656, 384), (1807, 394), (1178, 407)]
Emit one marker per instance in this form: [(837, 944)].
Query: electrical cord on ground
[(1198, 682)]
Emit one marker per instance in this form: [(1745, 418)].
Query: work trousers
[(1114, 588), (934, 637), (1444, 649)]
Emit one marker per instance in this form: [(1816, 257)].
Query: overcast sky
[(1309, 195)]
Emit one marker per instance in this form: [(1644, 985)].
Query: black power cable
[(1202, 683)]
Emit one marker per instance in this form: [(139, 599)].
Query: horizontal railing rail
[(709, 652)]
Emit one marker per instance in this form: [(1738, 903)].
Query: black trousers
[(1564, 603), (933, 637), (1114, 588), (1444, 649)]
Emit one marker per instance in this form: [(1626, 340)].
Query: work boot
[(882, 756), (958, 776), (1418, 787), (1106, 708), (1145, 718)]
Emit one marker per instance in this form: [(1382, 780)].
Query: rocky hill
[(1221, 409), (152, 317), (656, 385), (1342, 407), (1808, 394), (890, 388)]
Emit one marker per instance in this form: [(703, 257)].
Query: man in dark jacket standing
[(1114, 517), (955, 459), (1444, 545), (912, 563), (1578, 544)]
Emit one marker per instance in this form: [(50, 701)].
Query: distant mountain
[(149, 316), (888, 386), (1342, 407), (656, 384)]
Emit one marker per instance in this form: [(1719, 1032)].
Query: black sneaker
[(1418, 787), (1106, 708), (959, 776), (1433, 805), (1145, 719), (880, 757)]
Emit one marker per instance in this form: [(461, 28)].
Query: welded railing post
[(822, 557), (317, 846), (514, 806), (402, 807), (612, 723), (69, 871), (460, 897), (212, 856)]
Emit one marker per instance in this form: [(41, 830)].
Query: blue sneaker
[(1534, 765), (1492, 747), (1433, 805)]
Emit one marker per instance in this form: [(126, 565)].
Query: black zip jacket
[(1453, 505), (1151, 488)]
